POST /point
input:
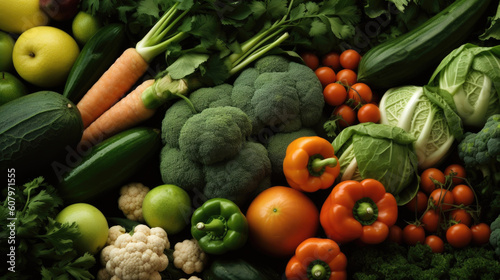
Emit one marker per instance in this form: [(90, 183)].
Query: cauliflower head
[(137, 256), (130, 200), (189, 257)]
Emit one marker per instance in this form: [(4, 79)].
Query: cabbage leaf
[(469, 79), (381, 152)]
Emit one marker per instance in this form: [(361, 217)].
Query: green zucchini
[(95, 58), (405, 58), (108, 164), (36, 129), (237, 268)]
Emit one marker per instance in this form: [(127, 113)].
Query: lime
[(167, 206), (10, 87), (84, 26), (91, 223), (44, 55), (6, 47)]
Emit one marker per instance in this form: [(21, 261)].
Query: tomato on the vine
[(395, 234), (413, 234), (459, 235), (430, 220), (426, 183), (369, 113), (435, 242), (350, 59), (480, 233), (360, 93), (310, 59), (418, 203), (331, 59), (335, 94), (442, 199), (458, 173), (347, 77), (326, 75), (462, 194), (461, 216), (346, 114)]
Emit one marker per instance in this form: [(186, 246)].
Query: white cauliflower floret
[(130, 201), (113, 233), (189, 257), (191, 278), (137, 256)]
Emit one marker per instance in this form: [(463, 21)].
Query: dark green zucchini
[(36, 129), (226, 268), (109, 164), (405, 58), (95, 58)]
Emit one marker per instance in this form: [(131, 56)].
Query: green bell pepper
[(219, 226)]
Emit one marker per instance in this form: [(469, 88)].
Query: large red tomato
[(280, 218)]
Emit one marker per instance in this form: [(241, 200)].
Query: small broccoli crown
[(209, 97), (179, 170), (240, 177), (173, 121), (272, 63), (483, 147), (215, 134)]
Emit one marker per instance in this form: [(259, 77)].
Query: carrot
[(112, 85), (131, 65), (128, 112)]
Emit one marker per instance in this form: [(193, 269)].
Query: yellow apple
[(21, 15)]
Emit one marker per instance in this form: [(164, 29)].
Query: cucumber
[(36, 129), (405, 58), (225, 268), (108, 164), (94, 59)]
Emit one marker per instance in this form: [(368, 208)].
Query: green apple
[(92, 225), (10, 87), (6, 47)]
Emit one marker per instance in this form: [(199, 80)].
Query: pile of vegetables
[(310, 145)]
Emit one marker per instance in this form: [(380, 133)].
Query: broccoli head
[(176, 168), (495, 235), (279, 95), (480, 152)]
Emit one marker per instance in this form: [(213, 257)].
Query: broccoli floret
[(480, 152), (174, 120), (241, 177), (208, 97), (179, 170), (215, 134), (278, 95), (276, 148), (495, 235)]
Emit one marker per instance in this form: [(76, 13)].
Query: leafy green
[(493, 31), (382, 152), (43, 247), (410, 108), (469, 79)]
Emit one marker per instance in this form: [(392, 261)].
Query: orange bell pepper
[(310, 164), (359, 210), (317, 258)]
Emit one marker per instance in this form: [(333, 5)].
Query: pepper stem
[(216, 226), (365, 211), (318, 164), (318, 270)]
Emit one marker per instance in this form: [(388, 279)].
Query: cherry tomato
[(459, 235), (462, 194), (430, 220), (335, 94), (442, 198), (418, 203), (395, 234), (413, 234), (360, 93), (459, 170), (346, 114), (347, 77), (369, 113), (350, 59), (332, 59), (480, 233), (461, 216), (326, 75), (426, 184), (435, 242), (310, 59)]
